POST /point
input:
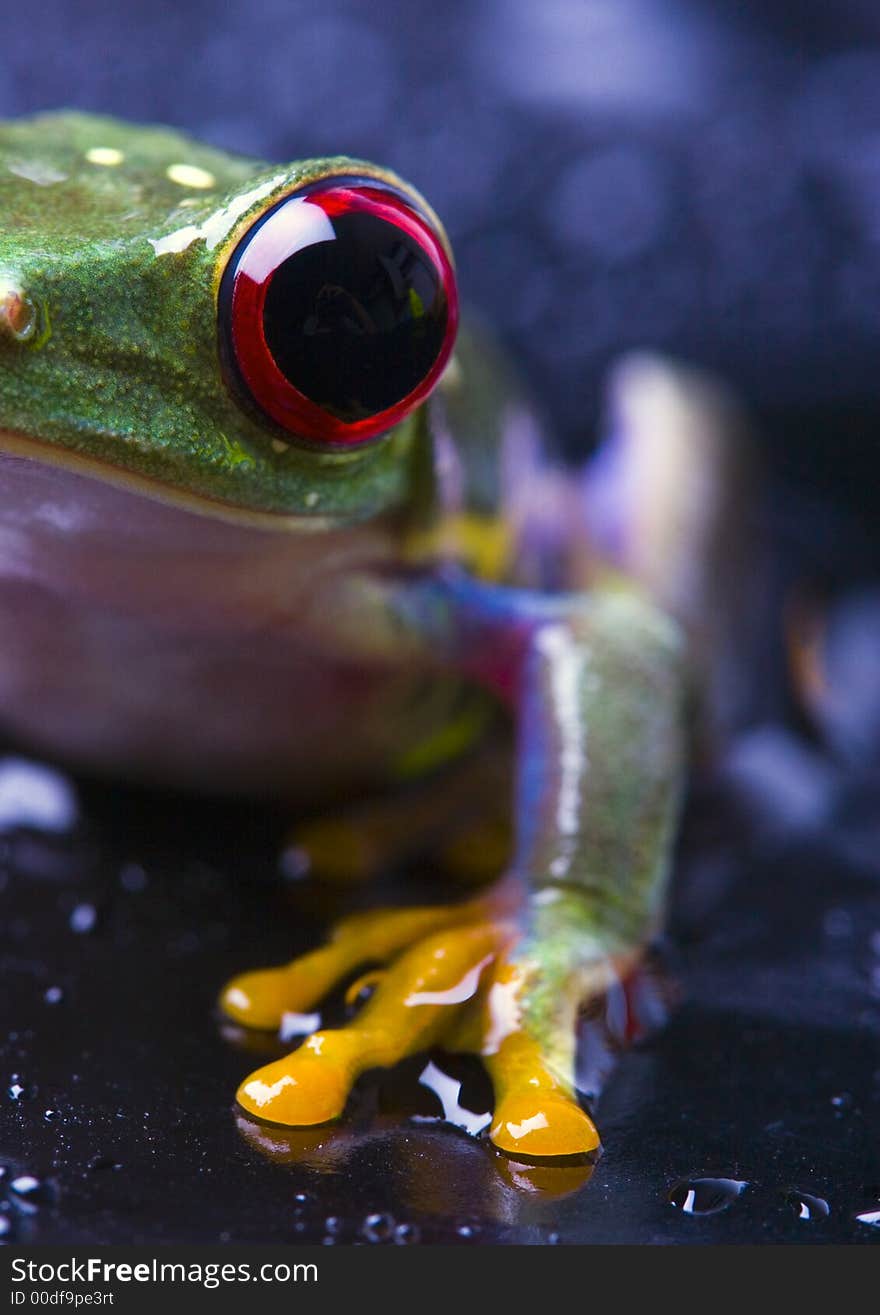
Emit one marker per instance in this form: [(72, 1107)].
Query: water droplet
[(807, 1206), (30, 1190), (377, 1227), (553, 1239), (706, 1196), (83, 918), (36, 797), (5, 1228), (334, 1225), (870, 1217), (407, 1235), (294, 863), (51, 1115), (98, 1163), (19, 1091), (132, 878), (467, 1230), (842, 1102), (53, 995), (301, 1197)]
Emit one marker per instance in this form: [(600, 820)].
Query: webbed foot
[(474, 977)]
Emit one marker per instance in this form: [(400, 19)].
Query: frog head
[(251, 340)]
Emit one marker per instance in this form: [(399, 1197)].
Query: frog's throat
[(20, 445)]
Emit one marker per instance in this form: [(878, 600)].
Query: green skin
[(109, 369)]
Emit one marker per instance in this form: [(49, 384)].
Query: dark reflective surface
[(768, 1072)]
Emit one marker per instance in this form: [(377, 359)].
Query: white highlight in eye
[(312, 226), (106, 155), (190, 175)]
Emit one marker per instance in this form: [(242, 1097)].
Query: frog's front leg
[(596, 683)]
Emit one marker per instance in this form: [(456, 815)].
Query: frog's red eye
[(338, 311)]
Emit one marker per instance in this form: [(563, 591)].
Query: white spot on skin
[(33, 796), (262, 1092), (567, 661), (217, 225), (505, 1015), (549, 896), (453, 995), (105, 155), (190, 175), (453, 376), (534, 1124), (36, 171)]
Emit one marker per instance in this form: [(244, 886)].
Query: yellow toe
[(256, 999), (541, 1124), (300, 1090)]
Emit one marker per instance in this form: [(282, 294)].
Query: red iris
[(338, 311)]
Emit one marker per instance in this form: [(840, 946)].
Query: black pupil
[(355, 324)]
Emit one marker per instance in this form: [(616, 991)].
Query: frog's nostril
[(338, 311)]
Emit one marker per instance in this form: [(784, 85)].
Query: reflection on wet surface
[(764, 1075)]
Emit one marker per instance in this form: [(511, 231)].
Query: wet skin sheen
[(224, 568)]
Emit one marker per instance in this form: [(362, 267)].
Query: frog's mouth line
[(21, 446)]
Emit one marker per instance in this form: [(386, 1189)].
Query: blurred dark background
[(699, 176)]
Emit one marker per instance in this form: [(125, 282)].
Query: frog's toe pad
[(542, 1125), (300, 1090)]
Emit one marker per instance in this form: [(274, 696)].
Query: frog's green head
[(248, 338)]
